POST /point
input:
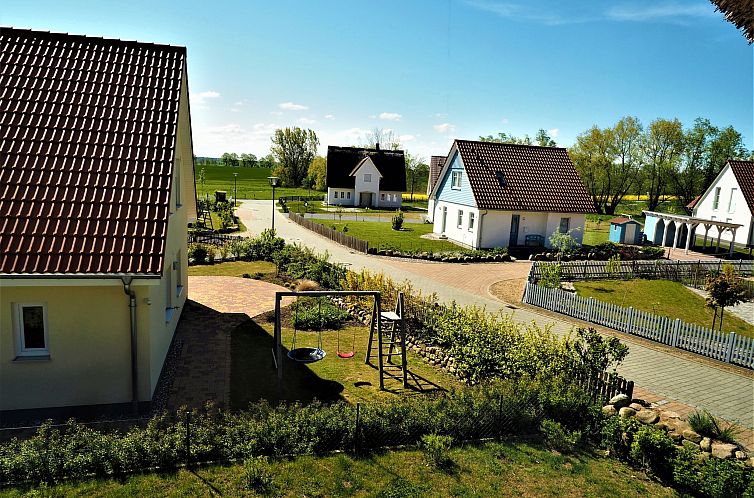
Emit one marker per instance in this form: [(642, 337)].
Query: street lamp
[(274, 183), (235, 190)]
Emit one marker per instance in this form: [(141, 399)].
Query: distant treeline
[(232, 159)]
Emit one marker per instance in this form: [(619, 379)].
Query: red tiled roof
[(693, 202), (744, 173), (516, 177), (435, 168), (87, 139), (621, 220)]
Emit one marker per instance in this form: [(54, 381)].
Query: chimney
[(377, 146)]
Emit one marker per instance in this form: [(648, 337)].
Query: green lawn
[(492, 469), (253, 377), (381, 235), (662, 297), (252, 183), (597, 229), (233, 269)]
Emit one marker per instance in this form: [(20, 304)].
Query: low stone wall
[(677, 428)]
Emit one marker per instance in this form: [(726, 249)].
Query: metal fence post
[(188, 438), (676, 331), (731, 343), (357, 430)]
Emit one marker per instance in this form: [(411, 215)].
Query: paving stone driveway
[(201, 350)]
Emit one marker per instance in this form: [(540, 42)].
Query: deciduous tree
[(294, 149), (248, 160), (318, 173), (662, 145), (229, 159), (416, 171), (385, 137)]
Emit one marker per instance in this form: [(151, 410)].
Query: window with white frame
[(169, 292), (349, 194), (565, 224), (732, 200), (367, 177), (455, 180), (471, 221), (716, 200), (382, 196), (460, 218), (31, 326)]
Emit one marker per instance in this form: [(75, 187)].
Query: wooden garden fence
[(215, 239), (341, 238), (730, 347)]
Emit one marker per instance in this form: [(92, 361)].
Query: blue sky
[(429, 70)]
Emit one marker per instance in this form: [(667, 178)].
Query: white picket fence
[(730, 348)]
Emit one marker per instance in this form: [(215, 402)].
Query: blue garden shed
[(625, 231)]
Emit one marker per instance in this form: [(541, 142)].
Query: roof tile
[(87, 137)]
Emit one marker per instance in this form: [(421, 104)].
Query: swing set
[(389, 324)]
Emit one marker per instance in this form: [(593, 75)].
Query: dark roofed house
[(365, 177), (499, 195), (96, 189)]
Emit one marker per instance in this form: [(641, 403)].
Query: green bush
[(550, 276), (653, 449), (198, 252), (435, 448), (258, 477), (704, 423), (317, 313), (558, 438), (397, 221), (224, 211), (299, 262)]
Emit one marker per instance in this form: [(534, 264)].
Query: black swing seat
[(306, 355)]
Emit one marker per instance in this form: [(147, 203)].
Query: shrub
[(436, 449), (550, 276), (258, 477), (314, 314), (617, 434), (564, 242), (597, 353), (398, 220), (224, 211), (198, 252), (558, 438), (725, 478), (704, 423), (345, 228), (653, 449)]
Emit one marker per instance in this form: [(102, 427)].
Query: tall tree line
[(661, 159)]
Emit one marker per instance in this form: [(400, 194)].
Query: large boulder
[(647, 416), (609, 410), (619, 401), (741, 455), (723, 450), (635, 406), (692, 436), (706, 444), (626, 412)]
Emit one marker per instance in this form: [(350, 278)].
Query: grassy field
[(252, 183), (381, 235), (492, 469), (232, 269), (662, 297)]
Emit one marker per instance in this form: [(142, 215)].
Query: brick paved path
[(215, 307), (726, 392)]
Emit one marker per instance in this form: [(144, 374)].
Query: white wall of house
[(723, 201), (390, 199), (341, 196), (455, 229)]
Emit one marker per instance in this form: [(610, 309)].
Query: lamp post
[(235, 196), (274, 183)]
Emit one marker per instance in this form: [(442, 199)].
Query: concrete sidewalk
[(727, 392)]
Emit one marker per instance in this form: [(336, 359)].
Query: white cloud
[(441, 115), (290, 106), (329, 116), (671, 12), (306, 121), (553, 132), (199, 99), (276, 113), (504, 121), (444, 128), (214, 140), (390, 116), (406, 138)]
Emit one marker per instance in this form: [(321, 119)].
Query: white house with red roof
[(506, 195)]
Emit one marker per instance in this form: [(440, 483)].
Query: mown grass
[(233, 269), (254, 378), (492, 469), (381, 235), (252, 183), (661, 297)]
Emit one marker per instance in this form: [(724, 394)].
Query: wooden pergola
[(691, 223)]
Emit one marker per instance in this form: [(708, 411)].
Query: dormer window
[(367, 177)]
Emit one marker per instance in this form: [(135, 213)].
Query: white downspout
[(479, 229)]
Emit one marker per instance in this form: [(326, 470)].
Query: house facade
[(730, 199), (96, 190), (372, 178), (435, 167), (506, 195)]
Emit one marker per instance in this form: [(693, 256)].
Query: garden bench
[(534, 241)]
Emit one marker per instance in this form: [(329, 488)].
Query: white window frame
[(21, 349), (732, 200), (169, 294), (455, 180), (349, 194), (716, 199), (382, 196), (460, 219), (367, 177), (472, 219)]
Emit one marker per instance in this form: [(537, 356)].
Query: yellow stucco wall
[(89, 325)]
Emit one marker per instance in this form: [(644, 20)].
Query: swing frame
[(277, 351)]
